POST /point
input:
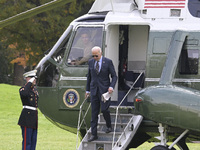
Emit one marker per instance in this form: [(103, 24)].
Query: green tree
[(6, 67), (27, 40)]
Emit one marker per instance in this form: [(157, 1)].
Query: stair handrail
[(83, 120), (117, 109)]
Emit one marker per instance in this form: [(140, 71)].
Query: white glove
[(32, 79)]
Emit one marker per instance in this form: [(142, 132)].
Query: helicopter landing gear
[(159, 147), (163, 134), (162, 138), (180, 141), (182, 144)]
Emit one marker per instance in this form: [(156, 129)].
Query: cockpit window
[(48, 70), (59, 53), (189, 61), (85, 39)]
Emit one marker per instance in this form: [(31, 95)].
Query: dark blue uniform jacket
[(29, 97)]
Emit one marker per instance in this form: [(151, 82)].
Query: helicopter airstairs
[(124, 127)]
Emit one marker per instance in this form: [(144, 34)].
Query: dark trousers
[(96, 104), (29, 136)]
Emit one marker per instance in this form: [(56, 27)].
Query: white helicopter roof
[(170, 14), (147, 8), (112, 5)]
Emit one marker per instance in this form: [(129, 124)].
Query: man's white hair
[(96, 48)]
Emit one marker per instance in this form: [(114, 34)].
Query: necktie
[(97, 67)]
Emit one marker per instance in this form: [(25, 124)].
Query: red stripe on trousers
[(24, 138)]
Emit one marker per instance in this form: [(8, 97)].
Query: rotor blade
[(33, 11)]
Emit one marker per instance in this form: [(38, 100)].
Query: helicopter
[(154, 46)]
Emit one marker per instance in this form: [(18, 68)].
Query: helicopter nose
[(138, 99), (144, 100)]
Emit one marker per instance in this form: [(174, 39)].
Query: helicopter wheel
[(161, 147)]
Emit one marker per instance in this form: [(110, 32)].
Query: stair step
[(123, 115), (105, 137), (96, 146), (122, 118), (104, 141), (122, 107), (119, 127)]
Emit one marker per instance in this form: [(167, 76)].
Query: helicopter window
[(49, 75), (59, 53), (85, 39), (189, 61), (194, 8)]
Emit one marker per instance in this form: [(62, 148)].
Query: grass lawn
[(50, 137)]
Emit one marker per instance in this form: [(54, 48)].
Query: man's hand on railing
[(87, 94)]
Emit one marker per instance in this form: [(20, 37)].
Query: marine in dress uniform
[(28, 119)]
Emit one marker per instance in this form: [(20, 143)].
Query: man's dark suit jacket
[(102, 79)]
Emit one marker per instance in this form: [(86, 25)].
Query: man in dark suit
[(28, 119), (98, 82)]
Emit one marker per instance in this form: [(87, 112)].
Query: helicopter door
[(73, 75), (130, 58), (136, 60)]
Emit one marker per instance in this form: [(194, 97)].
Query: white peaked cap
[(31, 73)]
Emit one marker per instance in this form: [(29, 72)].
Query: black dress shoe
[(108, 130), (92, 138)]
